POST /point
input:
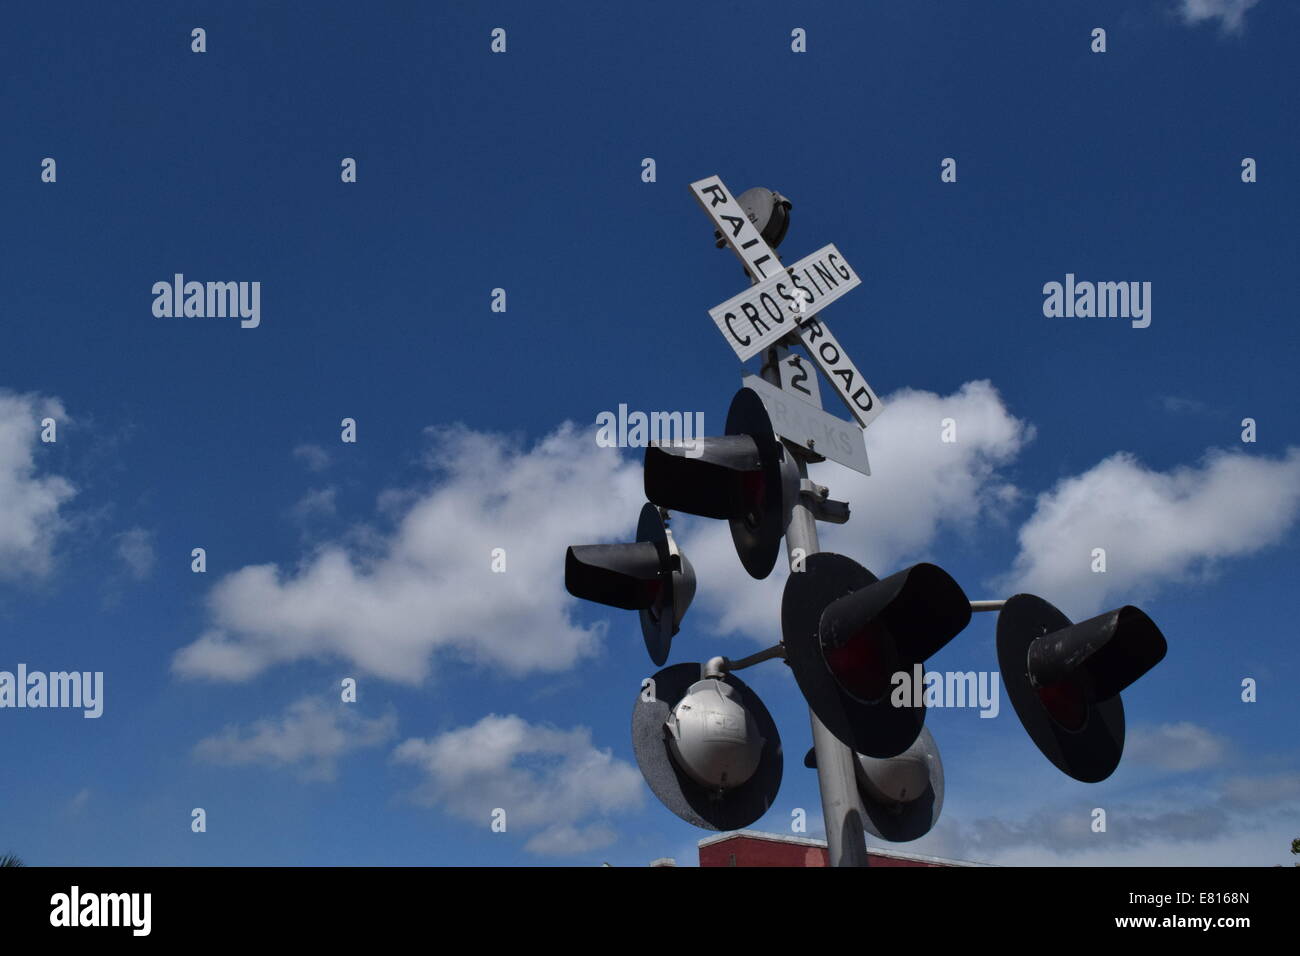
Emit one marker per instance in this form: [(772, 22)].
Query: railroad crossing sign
[(771, 309), (751, 329)]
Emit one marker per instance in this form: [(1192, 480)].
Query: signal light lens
[(1066, 702), (864, 664), (874, 632), (753, 494)]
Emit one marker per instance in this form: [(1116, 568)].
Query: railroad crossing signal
[(707, 747), (1064, 679), (769, 211), (651, 576), (745, 476), (704, 742), (847, 633), (902, 796)]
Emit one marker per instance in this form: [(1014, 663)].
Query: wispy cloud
[(314, 457), (310, 736), (135, 548), (1175, 747), (553, 784), (77, 805), (1242, 820), (315, 504), (1231, 14)]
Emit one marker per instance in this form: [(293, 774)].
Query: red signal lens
[(753, 488), (864, 664), (1066, 702)]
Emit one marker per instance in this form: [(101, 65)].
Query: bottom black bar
[(444, 905)]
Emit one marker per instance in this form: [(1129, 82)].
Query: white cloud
[(135, 548), (1230, 13), (548, 781), (429, 586), (311, 735), (29, 505), (1240, 821), (1250, 847), (918, 485), (1180, 746), (1176, 404), (1255, 793), (314, 457), (316, 503), (570, 841), (1156, 527)]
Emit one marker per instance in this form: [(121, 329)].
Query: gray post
[(846, 840)]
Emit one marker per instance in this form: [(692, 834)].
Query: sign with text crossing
[(768, 311), (810, 427), (761, 262)]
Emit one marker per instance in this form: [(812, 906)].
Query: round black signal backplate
[(657, 624), (1090, 753), (899, 823), (732, 810), (758, 537)]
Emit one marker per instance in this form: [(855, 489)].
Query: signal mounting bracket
[(823, 507)]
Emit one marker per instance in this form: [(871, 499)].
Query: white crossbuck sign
[(781, 300), (773, 308)]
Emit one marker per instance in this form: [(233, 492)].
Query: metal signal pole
[(846, 840)]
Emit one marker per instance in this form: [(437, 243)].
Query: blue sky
[(522, 171)]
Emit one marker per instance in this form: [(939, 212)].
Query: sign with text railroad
[(763, 313), (733, 222), (858, 397), (809, 427), (762, 264)]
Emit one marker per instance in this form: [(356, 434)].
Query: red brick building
[(751, 848)]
